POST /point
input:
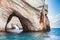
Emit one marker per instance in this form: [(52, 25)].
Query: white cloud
[(54, 20)]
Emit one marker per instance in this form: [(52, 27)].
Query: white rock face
[(35, 3), (4, 14), (28, 12), (14, 21)]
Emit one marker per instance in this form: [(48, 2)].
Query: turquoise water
[(54, 34)]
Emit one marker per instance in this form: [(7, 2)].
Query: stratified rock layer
[(27, 11)]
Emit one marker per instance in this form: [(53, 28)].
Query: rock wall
[(4, 17), (27, 11), (14, 20)]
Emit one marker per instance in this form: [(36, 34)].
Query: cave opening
[(9, 19), (24, 22)]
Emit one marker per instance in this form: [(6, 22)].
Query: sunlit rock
[(32, 14), (4, 14), (14, 21), (15, 29)]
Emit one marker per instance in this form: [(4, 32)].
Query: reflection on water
[(54, 34)]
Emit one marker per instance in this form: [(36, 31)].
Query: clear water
[(54, 34)]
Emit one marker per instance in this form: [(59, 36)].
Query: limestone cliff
[(31, 13)]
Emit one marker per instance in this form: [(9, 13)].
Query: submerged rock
[(27, 11)]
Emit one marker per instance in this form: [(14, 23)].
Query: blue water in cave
[(54, 34)]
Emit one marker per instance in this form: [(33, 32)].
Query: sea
[(54, 34)]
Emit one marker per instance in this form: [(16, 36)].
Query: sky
[(54, 12)]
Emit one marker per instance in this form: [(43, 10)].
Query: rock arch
[(25, 22), (27, 13)]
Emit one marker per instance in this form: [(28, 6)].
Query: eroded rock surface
[(14, 21), (28, 12)]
